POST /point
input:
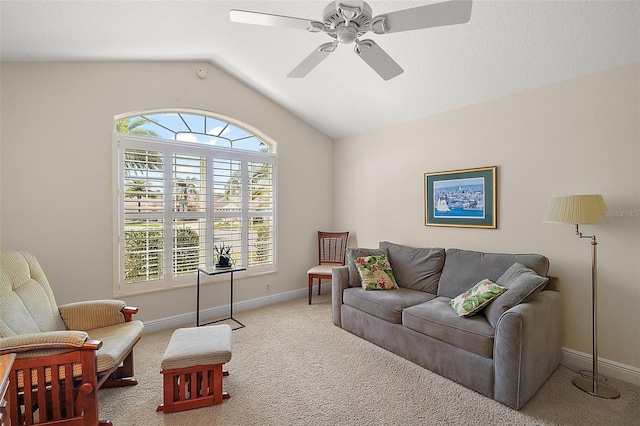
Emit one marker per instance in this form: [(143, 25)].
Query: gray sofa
[(503, 352)]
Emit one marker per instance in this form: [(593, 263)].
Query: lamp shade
[(577, 209)]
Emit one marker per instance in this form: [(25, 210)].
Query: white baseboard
[(221, 311), (575, 360)]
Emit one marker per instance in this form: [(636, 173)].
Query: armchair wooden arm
[(128, 312), (48, 387)]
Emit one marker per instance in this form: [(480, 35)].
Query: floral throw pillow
[(375, 273), (477, 297)]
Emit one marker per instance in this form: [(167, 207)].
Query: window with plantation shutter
[(186, 183), (143, 200), (260, 213)]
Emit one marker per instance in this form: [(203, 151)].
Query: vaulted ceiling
[(506, 47)]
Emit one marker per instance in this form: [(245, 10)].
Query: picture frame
[(461, 198)]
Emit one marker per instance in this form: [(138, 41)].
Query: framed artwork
[(462, 198)]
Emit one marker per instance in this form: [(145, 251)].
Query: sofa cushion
[(376, 273), (387, 305), (435, 318), (415, 268), (352, 254), (476, 298), (522, 283), (463, 268)]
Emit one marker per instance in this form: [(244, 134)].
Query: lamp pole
[(593, 386)]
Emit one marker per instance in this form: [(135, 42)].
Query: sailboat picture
[(461, 198)]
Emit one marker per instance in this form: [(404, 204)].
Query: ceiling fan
[(346, 21)]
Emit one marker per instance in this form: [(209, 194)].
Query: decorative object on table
[(332, 252), (585, 209), (224, 255), (463, 198)]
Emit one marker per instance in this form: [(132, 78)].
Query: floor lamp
[(585, 209)]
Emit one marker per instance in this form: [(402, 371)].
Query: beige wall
[(56, 172), (579, 136), (576, 137)]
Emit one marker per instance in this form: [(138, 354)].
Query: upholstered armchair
[(64, 353)]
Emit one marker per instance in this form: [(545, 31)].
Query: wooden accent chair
[(64, 353), (332, 251)]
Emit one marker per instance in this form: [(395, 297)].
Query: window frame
[(122, 141)]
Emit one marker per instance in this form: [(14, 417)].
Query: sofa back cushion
[(415, 268), (28, 304), (463, 268)]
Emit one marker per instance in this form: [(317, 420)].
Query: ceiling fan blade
[(312, 61), (428, 16), (259, 18), (378, 59)]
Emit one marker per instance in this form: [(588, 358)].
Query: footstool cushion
[(192, 367), (193, 346)]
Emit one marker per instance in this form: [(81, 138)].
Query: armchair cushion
[(118, 340), (92, 314), (28, 304)]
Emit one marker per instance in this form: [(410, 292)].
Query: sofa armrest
[(527, 348), (339, 281), (95, 314)]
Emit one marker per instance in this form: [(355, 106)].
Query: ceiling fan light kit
[(346, 21)]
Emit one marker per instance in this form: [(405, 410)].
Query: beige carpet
[(292, 366)]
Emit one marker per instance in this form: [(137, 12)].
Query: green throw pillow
[(477, 297), (375, 273)]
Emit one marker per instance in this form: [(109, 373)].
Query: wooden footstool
[(192, 367)]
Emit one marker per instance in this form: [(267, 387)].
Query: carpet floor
[(292, 366)]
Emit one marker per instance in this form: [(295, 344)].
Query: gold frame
[(441, 214)]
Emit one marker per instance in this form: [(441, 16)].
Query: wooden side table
[(6, 362)]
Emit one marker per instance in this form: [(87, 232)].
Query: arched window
[(189, 182)]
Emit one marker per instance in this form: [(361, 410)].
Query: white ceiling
[(507, 47)]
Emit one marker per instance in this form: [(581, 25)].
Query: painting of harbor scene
[(464, 198), (459, 198)]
